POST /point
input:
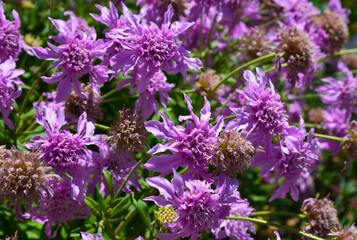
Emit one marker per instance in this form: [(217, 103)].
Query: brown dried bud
[(128, 135), (316, 115), (179, 7), (255, 44), (233, 153), (75, 105), (322, 216), (298, 50), (206, 83), (350, 60), (336, 29), (22, 177), (271, 7), (347, 233)]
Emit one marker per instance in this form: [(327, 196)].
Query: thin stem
[(338, 139), (227, 101), (309, 125), (340, 53), (226, 118), (271, 22), (144, 159), (125, 222), (274, 68), (187, 91), (235, 71), (101, 126), (306, 96), (292, 230), (279, 213), (109, 93)]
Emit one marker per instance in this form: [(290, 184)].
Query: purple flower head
[(192, 146), (293, 165), (151, 48), (264, 115), (340, 94), (146, 103), (60, 149), (64, 205), (75, 55), (235, 229), (8, 92), (335, 6), (82, 25), (297, 10), (199, 207), (11, 40), (88, 236)]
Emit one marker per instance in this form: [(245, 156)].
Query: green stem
[(144, 159), (338, 139), (340, 53), (109, 93), (279, 213), (306, 96), (274, 68), (292, 230), (101, 126), (125, 222), (238, 69), (309, 125), (121, 98), (227, 101), (187, 91), (271, 22), (226, 118)]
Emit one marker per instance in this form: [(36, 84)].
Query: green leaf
[(109, 180), (122, 206), (28, 114), (143, 210), (93, 206)]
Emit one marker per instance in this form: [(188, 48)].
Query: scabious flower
[(199, 207), (192, 146), (340, 94), (75, 55), (294, 166), (11, 40), (64, 205), (297, 10), (264, 115), (8, 92), (322, 216), (151, 48), (206, 82), (146, 104), (23, 178), (233, 153), (236, 229), (88, 236), (128, 135), (63, 151), (255, 44)]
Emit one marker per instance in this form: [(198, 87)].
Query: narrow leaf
[(109, 180), (93, 206)]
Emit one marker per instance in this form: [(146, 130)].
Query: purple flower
[(192, 146), (8, 92), (88, 236), (151, 48), (64, 205), (146, 104), (236, 229), (335, 6), (75, 55), (341, 94), (297, 10), (293, 165), (264, 115), (199, 207), (11, 40), (62, 150)]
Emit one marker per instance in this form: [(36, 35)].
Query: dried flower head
[(336, 29), (322, 216), (316, 115), (233, 153), (298, 50), (22, 177), (255, 44), (75, 105), (128, 135), (206, 82), (271, 7), (165, 215), (347, 233), (350, 60)]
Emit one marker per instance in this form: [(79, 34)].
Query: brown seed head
[(233, 153), (255, 44), (347, 233), (206, 82), (316, 115)]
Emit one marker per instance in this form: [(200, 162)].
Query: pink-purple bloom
[(151, 48), (75, 55), (64, 151), (199, 207), (8, 91), (192, 146), (64, 205)]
